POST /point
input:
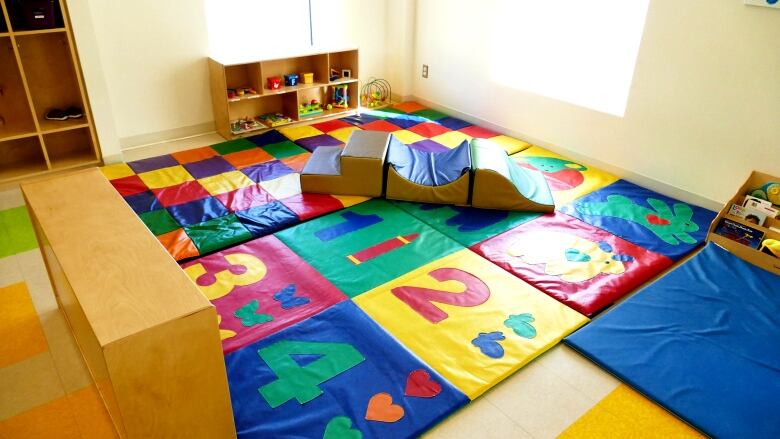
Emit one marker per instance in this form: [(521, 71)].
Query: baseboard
[(113, 158), (636, 178), (167, 135)]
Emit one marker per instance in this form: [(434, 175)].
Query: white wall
[(150, 55), (703, 109)]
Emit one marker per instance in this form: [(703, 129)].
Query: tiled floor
[(46, 392)]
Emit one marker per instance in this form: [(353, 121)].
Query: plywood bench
[(149, 337)]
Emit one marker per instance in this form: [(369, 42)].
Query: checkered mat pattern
[(205, 199)]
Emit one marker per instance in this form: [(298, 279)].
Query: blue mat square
[(347, 360), (267, 138), (198, 211), (453, 123), (268, 218), (143, 202), (648, 219), (703, 341)]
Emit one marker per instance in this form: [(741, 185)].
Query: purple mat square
[(152, 163), (428, 145), (143, 202), (267, 171), (209, 167), (312, 143), (452, 123), (267, 138), (406, 121)]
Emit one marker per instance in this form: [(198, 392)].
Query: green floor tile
[(16, 232), (430, 114), (218, 233), (233, 146), (159, 221), (284, 149)]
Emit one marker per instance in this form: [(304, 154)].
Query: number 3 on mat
[(420, 299), (302, 382), (225, 280)]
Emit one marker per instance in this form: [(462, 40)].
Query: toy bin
[(291, 79), (308, 78), (274, 83)]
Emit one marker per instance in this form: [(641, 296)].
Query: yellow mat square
[(470, 320), (20, 328), (119, 170), (225, 182), (407, 137), (626, 413), (510, 144), (343, 133), (295, 133), (568, 179), (350, 200), (451, 139), (283, 187), (165, 177)]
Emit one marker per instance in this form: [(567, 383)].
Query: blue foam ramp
[(703, 341)]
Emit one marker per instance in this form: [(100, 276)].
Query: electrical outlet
[(425, 70)]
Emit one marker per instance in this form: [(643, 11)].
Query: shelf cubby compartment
[(316, 64), (16, 119), (21, 157), (3, 24), (286, 104), (243, 75), (16, 12), (70, 149), (345, 60), (51, 76)]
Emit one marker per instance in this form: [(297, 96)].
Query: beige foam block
[(479, 419), (539, 401), (28, 384)]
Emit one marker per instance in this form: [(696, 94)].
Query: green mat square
[(284, 149), (218, 233), (466, 225), (159, 221), (366, 245), (233, 146), (16, 232), (430, 114)]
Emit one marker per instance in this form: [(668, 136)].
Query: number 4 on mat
[(420, 299), (302, 382)]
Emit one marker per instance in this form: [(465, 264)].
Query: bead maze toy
[(340, 96)]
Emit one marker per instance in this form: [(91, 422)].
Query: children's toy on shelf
[(308, 78), (274, 83), (231, 92), (334, 75), (274, 119), (769, 192), (340, 96), (244, 125), (375, 93), (291, 79), (308, 109), (242, 93), (771, 247)]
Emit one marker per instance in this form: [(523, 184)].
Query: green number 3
[(302, 382)]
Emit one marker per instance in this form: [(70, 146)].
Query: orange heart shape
[(381, 408)]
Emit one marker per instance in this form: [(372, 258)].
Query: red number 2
[(420, 299)]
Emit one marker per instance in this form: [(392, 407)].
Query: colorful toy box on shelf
[(291, 79), (244, 125), (340, 96), (274, 83), (309, 109), (308, 78), (274, 119)]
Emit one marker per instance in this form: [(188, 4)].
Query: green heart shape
[(521, 324), (340, 427)]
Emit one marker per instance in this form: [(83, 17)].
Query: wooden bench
[(149, 337)]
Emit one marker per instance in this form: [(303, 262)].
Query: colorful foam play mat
[(349, 317)]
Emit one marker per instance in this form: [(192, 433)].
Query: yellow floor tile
[(343, 133), (91, 415), (451, 139), (51, 420), (119, 170), (225, 182), (407, 137), (625, 413), (20, 329)]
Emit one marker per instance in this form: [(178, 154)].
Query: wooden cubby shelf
[(39, 72), (286, 99)]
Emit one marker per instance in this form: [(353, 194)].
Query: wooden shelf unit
[(39, 71), (230, 74)]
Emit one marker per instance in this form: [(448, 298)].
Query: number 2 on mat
[(225, 280), (421, 299), (302, 382)]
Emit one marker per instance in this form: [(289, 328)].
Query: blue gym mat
[(703, 341)]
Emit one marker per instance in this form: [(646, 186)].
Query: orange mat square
[(194, 155), (20, 328)]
